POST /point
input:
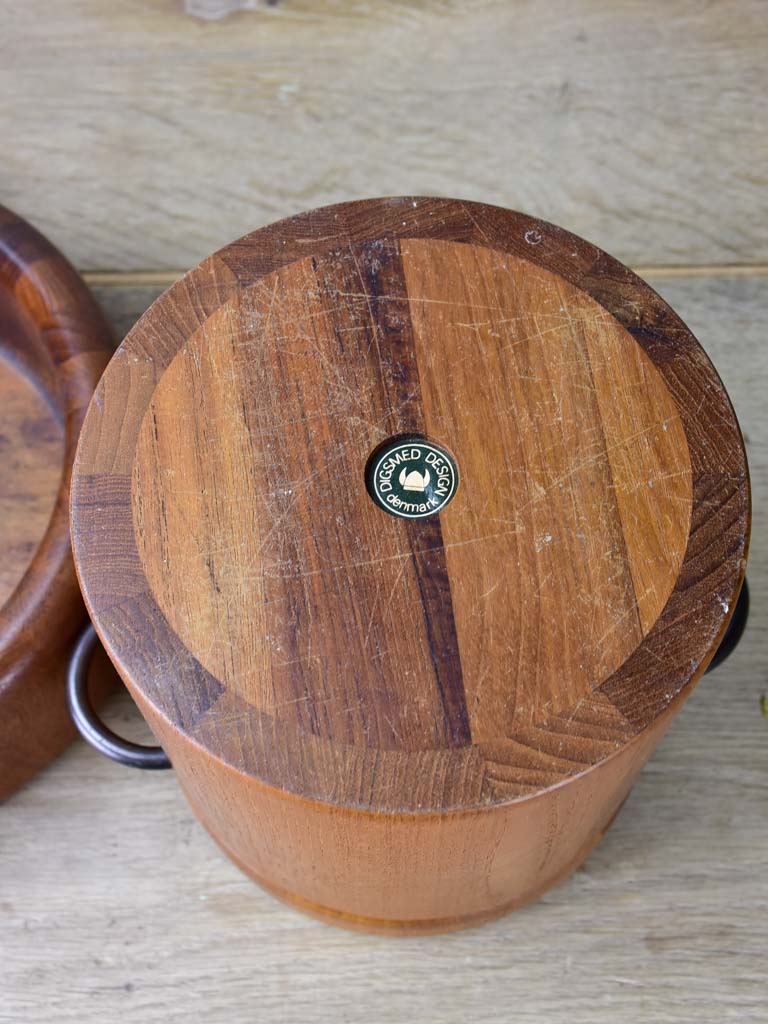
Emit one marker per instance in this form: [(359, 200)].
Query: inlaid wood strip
[(380, 267), (433, 580)]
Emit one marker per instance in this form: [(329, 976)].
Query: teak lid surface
[(249, 588)]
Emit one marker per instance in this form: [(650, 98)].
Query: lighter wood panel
[(31, 452), (142, 138), (202, 541), (648, 455), (539, 555), (258, 539)]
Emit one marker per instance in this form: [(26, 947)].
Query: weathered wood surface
[(114, 900), (139, 137)]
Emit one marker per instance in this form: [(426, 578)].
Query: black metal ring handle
[(90, 726), (735, 629)]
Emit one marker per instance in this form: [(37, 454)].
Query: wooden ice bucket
[(409, 525)]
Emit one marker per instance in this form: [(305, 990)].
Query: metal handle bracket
[(88, 723)]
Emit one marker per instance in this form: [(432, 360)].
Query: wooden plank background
[(140, 139)]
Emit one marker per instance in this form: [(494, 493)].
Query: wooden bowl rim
[(77, 341)]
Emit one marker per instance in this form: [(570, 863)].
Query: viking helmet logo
[(414, 481), (410, 477)]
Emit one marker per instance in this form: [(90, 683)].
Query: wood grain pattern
[(53, 338), (634, 125), (31, 443), (664, 923), (259, 605), (524, 381)]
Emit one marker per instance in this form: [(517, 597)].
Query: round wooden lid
[(573, 583)]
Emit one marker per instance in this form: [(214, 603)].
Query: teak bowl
[(54, 345), (410, 524)]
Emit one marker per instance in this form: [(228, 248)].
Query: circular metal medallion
[(411, 477)]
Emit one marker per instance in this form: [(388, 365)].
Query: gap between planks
[(138, 278)]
